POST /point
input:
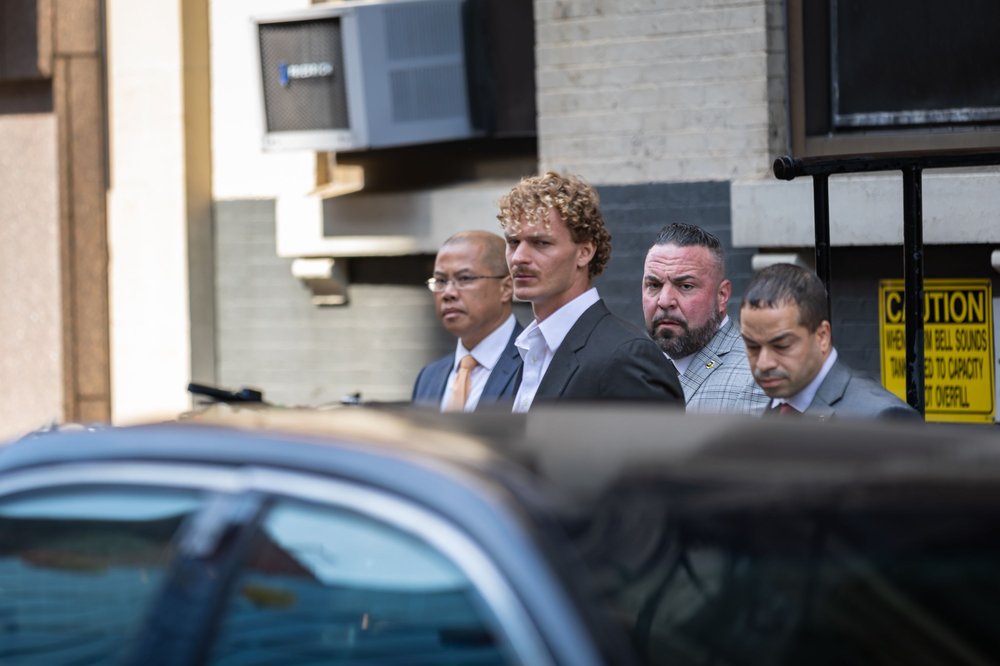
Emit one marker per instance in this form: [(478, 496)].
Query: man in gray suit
[(684, 297), (472, 295), (575, 349), (785, 323)]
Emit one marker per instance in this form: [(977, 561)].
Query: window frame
[(887, 139)]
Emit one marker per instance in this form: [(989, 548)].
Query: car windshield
[(785, 581)]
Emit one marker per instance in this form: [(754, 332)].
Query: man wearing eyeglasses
[(472, 295)]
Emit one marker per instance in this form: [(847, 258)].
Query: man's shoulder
[(728, 339), (863, 388), (436, 367), (445, 361), (719, 378), (430, 382), (724, 356), (611, 326), (864, 396), (598, 328)]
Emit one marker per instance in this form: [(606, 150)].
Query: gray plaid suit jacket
[(718, 379)]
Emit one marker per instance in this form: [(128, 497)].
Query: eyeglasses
[(438, 285)]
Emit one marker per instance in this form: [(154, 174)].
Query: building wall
[(53, 266), (660, 104), (653, 91), (635, 213), (656, 106), (159, 226), (674, 110), (31, 371), (271, 336)]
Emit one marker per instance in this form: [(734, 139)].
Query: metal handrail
[(911, 164)]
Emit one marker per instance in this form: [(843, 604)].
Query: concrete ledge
[(387, 224), (959, 208)]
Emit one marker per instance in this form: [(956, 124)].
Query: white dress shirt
[(538, 343), (486, 353), (801, 400)]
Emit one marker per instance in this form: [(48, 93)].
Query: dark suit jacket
[(603, 357), (500, 387), (847, 393)]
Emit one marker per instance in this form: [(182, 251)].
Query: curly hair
[(576, 202)]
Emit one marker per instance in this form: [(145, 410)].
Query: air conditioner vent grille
[(418, 30), (303, 75), (428, 93)]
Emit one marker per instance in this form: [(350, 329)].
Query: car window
[(78, 569), (324, 585), (763, 584)]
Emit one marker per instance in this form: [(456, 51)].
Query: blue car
[(570, 536)]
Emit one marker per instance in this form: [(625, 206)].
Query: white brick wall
[(633, 91)]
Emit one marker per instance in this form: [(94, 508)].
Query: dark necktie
[(785, 409)]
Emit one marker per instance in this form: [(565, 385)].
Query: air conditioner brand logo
[(305, 70)]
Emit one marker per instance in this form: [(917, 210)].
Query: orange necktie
[(460, 390)]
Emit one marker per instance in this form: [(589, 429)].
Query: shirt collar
[(489, 349), (556, 326)]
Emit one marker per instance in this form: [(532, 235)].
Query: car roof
[(579, 450)]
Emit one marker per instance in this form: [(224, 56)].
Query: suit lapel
[(440, 379), (830, 392), (565, 363), (501, 380), (707, 360), (701, 366)]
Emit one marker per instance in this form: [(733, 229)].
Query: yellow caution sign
[(959, 376)]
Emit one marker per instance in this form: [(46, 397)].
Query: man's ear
[(585, 252), (824, 334), (507, 289), (725, 291)]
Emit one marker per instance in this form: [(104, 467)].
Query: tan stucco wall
[(31, 379)]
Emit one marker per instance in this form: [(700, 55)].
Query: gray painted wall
[(270, 336)]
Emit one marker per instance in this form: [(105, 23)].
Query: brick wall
[(647, 90)]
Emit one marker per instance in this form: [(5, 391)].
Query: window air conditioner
[(359, 75)]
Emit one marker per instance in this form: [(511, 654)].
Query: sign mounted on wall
[(959, 361)]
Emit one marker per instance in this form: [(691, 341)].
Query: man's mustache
[(764, 375), (674, 320)]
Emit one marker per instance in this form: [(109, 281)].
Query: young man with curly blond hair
[(575, 349)]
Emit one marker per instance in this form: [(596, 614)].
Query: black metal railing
[(912, 165)]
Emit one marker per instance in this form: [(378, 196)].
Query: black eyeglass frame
[(437, 285)]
